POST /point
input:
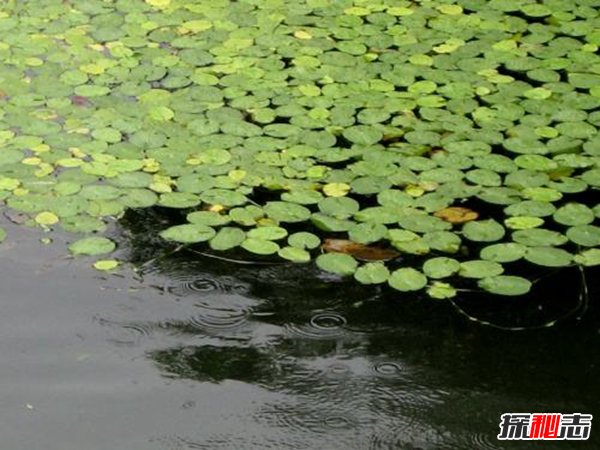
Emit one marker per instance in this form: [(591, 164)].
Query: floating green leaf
[(304, 240), (590, 257), (480, 269), (268, 233), (523, 222), (407, 279), (188, 233), (372, 273), (539, 237), (440, 290), (503, 253), (505, 285), (483, 231), (227, 238), (548, 256), (585, 235), (441, 267), (338, 263), (92, 246), (260, 246), (105, 265), (46, 218), (287, 212), (574, 214)]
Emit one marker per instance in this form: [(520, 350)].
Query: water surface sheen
[(198, 353)]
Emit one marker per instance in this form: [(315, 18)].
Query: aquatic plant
[(422, 144)]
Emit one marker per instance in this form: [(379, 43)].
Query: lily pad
[(372, 273), (338, 263), (268, 233), (407, 279), (480, 269), (227, 238), (503, 253), (92, 246), (304, 240), (441, 267), (106, 265), (539, 237), (573, 214), (590, 257), (505, 285), (585, 235), (188, 233), (548, 256), (260, 246), (294, 254), (483, 231), (440, 290)]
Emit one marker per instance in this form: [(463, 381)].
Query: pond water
[(192, 352)]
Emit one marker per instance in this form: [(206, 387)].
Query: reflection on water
[(194, 352), (357, 367)]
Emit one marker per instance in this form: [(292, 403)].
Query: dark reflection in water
[(359, 367)]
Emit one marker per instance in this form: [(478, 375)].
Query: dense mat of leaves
[(433, 140)]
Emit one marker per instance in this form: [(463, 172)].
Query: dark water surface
[(198, 353)]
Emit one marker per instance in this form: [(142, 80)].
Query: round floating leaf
[(423, 223), (304, 240), (268, 233), (441, 267), (523, 222), (338, 263), (179, 200), (92, 246), (590, 257), (573, 214), (106, 265), (287, 212), (227, 238), (223, 197), (366, 233), (363, 134), (46, 218), (260, 246), (586, 235), (505, 285), (548, 256), (530, 208), (542, 194), (480, 269), (188, 233), (339, 207), (483, 231), (503, 253), (407, 279), (336, 189), (328, 223), (443, 241), (440, 290), (294, 254), (372, 273), (539, 237)]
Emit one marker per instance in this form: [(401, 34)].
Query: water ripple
[(323, 325), (126, 333), (207, 284)]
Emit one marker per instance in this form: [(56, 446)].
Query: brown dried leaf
[(456, 214), (359, 251)]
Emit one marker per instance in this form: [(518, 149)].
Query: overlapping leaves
[(457, 137)]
